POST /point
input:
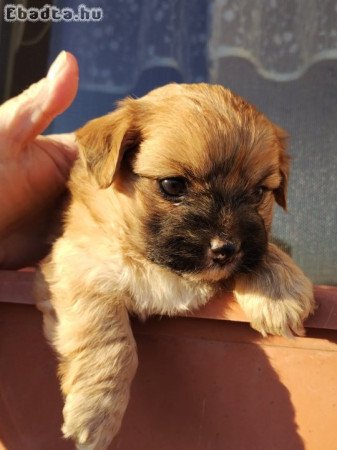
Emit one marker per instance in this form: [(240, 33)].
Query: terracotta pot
[(205, 382)]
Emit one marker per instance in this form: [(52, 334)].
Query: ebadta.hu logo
[(19, 13)]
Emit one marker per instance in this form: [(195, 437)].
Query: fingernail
[(57, 66)]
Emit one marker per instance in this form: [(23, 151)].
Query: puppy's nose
[(222, 249)]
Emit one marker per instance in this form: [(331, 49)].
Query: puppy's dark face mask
[(201, 169), (211, 231)]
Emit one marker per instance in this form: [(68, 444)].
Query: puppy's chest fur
[(155, 291)]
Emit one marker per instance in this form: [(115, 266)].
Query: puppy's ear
[(104, 141), (284, 161)]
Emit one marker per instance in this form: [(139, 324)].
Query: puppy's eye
[(174, 187), (259, 193)]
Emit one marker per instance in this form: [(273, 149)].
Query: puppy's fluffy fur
[(172, 196)]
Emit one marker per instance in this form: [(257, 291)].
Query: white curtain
[(282, 38)]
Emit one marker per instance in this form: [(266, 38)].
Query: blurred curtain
[(282, 38)]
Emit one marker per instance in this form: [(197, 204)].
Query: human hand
[(34, 168)]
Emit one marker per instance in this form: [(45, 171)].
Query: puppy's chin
[(213, 273)]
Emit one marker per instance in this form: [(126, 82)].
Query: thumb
[(29, 114)]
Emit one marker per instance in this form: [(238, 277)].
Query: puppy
[(172, 197)]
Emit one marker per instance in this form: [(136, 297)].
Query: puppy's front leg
[(98, 362), (277, 297)]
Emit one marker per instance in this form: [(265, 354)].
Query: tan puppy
[(172, 195)]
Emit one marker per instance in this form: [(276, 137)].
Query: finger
[(61, 151), (27, 115), (68, 140)]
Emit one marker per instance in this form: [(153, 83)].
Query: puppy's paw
[(91, 422), (282, 315), (277, 298)]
